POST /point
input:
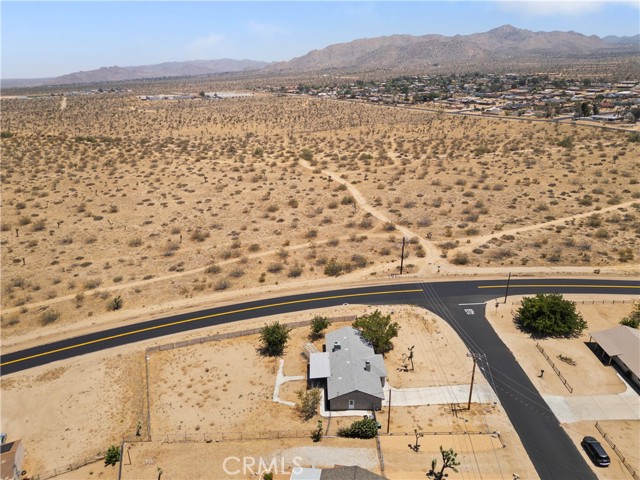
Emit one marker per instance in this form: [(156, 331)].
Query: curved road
[(460, 303)]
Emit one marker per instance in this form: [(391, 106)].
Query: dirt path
[(477, 241), (195, 271), (63, 103), (432, 258)]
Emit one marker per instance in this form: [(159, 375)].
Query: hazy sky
[(51, 38)]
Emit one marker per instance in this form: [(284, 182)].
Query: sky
[(52, 38)]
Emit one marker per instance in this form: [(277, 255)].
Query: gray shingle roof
[(348, 362), (349, 473)]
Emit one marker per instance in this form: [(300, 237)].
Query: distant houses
[(352, 373)]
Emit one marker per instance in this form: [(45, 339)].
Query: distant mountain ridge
[(168, 69), (505, 45)]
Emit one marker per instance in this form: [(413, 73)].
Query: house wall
[(363, 401), (626, 370)]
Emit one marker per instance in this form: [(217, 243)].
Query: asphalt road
[(460, 303)]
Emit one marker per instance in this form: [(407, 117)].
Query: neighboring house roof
[(349, 473), (349, 355), (622, 342), (299, 473), (320, 366), (8, 459)]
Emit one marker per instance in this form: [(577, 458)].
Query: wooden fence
[(555, 369), (211, 437), (241, 333), (632, 470), (67, 468)]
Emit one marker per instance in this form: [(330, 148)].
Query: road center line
[(547, 285), (188, 320)]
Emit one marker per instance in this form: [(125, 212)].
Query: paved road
[(551, 450)]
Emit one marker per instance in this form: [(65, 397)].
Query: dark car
[(595, 451)]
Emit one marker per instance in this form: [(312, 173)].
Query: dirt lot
[(217, 390), (588, 376)]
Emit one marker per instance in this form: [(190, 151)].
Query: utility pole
[(389, 413), (507, 290), (404, 239), (475, 357), (473, 374)]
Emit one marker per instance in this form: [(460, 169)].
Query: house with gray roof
[(353, 373)]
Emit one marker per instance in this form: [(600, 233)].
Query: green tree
[(318, 325), (549, 315), (378, 330), (274, 338), (449, 460), (112, 456), (585, 109), (633, 320), (365, 428)]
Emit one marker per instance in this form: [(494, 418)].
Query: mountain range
[(502, 46)]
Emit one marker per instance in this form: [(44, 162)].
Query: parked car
[(595, 451)]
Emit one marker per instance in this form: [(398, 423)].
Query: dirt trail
[(432, 258), (63, 103), (171, 276), (477, 241)]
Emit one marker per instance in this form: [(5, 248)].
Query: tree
[(318, 325), (585, 109), (112, 456), (274, 338), (316, 435), (449, 460), (309, 401), (365, 428), (378, 330), (633, 320), (549, 315)]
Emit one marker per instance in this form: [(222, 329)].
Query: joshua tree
[(449, 460)]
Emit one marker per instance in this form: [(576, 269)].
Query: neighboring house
[(622, 346), (352, 372), (338, 472), (12, 458)]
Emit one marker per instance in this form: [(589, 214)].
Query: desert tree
[(449, 460), (549, 315), (318, 325), (274, 338), (378, 330)]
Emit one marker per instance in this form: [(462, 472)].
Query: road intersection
[(460, 303)]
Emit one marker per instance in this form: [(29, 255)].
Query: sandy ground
[(74, 410), (224, 388), (588, 376), (99, 209)]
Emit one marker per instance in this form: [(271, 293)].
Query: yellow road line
[(248, 309), (551, 285)]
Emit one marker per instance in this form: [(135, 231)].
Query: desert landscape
[(180, 199), (171, 192)]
